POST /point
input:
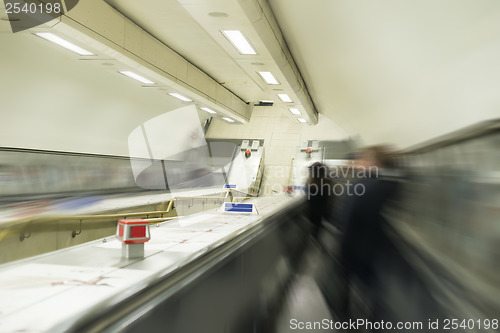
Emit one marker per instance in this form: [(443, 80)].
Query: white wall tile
[(282, 135)]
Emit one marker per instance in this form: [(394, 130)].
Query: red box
[(138, 232)]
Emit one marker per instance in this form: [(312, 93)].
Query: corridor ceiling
[(388, 70)]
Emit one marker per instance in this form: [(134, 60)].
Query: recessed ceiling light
[(229, 120), (208, 110), (136, 77), (239, 41), (218, 14), (268, 77), (64, 43), (179, 96), (302, 120), (294, 111), (285, 98)]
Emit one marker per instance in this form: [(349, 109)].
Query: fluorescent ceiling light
[(182, 98), (208, 110), (302, 120), (239, 41), (285, 98), (64, 43), (268, 77), (229, 120), (136, 77), (294, 111)]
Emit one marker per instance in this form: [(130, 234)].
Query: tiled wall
[(281, 134)]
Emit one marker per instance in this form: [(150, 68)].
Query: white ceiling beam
[(260, 28), (262, 18), (103, 28)]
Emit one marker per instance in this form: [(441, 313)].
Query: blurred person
[(318, 195), (363, 225), (344, 178)]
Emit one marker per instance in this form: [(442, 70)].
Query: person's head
[(379, 156), (318, 170)]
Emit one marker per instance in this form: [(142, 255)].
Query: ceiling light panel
[(136, 77), (302, 120), (295, 111), (64, 43), (229, 120), (208, 110), (285, 98), (268, 77), (239, 41), (179, 96)]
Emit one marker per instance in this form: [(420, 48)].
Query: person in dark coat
[(363, 235), (318, 192)]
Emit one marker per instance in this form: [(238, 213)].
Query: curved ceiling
[(194, 30), (390, 71), (397, 71), (387, 70)]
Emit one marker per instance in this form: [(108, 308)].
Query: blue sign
[(238, 207)]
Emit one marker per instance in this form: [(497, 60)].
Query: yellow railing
[(20, 224)]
